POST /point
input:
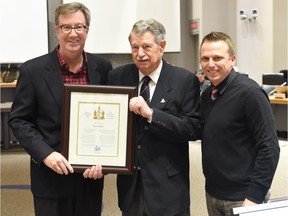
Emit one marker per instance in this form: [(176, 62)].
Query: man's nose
[(211, 62), (73, 32), (141, 52)]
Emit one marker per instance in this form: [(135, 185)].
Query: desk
[(8, 85), (5, 110), (279, 107), (7, 92), (7, 96), (274, 100)]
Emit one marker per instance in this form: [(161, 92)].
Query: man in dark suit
[(160, 182), (36, 118)]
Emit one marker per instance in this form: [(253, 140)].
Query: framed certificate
[(98, 127)]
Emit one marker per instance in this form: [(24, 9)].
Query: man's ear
[(163, 45), (233, 59)]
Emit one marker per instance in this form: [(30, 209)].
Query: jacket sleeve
[(23, 118), (180, 119), (262, 127)]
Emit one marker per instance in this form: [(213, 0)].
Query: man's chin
[(73, 48), (143, 67)]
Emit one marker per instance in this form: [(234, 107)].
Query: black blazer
[(161, 148), (36, 116)]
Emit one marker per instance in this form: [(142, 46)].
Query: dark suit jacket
[(161, 148), (36, 117)]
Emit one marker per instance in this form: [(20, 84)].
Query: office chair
[(285, 73), (269, 89), (273, 79)]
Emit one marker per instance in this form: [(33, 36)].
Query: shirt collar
[(63, 64), (154, 75), (226, 82)]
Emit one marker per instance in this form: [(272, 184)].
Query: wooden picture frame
[(97, 127)]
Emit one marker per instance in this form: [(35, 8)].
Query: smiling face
[(72, 42), (216, 61), (146, 53)]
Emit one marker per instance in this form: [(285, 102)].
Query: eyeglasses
[(78, 29)]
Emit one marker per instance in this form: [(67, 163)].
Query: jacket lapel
[(93, 75), (54, 79), (159, 100), (131, 77), (164, 86)]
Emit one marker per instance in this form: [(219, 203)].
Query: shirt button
[(138, 146)]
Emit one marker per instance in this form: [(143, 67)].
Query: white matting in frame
[(99, 130)]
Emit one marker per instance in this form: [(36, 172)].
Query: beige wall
[(255, 39), (280, 29), (186, 58), (261, 46)]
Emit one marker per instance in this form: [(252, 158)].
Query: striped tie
[(144, 91), (214, 93)]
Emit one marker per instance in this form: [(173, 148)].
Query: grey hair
[(152, 25)]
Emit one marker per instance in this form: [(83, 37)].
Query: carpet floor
[(16, 198)]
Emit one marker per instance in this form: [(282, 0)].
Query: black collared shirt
[(240, 149)]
